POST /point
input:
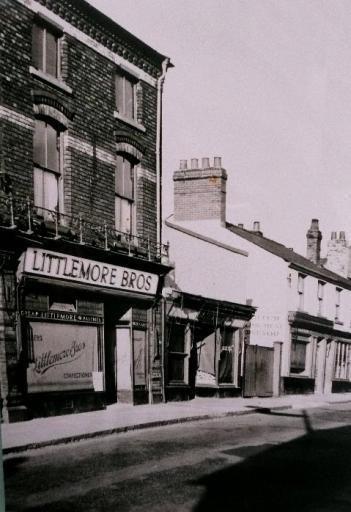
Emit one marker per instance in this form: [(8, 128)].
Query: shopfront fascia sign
[(62, 316), (81, 270)]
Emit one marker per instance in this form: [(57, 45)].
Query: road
[(288, 460)]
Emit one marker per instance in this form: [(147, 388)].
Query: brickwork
[(91, 78), (200, 194), (81, 104), (314, 239)]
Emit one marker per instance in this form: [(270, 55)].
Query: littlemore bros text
[(64, 266)]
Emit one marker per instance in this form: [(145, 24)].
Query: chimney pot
[(333, 235), (256, 225), (342, 235), (194, 163), (241, 226), (205, 163), (315, 224), (217, 162), (183, 165)]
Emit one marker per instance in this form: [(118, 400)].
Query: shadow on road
[(11, 465), (309, 474)]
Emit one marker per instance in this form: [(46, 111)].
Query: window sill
[(50, 80), (131, 122), (300, 376), (177, 384)]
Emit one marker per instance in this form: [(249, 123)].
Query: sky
[(266, 85)]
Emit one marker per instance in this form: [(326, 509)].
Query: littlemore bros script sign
[(72, 268)]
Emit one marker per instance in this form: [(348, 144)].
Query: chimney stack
[(338, 254), (314, 238), (200, 193)]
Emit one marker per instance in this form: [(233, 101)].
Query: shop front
[(320, 356), (205, 343), (88, 333)]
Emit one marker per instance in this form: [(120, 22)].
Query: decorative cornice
[(105, 31)]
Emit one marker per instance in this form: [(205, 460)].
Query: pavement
[(119, 418)]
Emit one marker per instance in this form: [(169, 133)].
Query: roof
[(82, 14), (296, 260), (111, 25)]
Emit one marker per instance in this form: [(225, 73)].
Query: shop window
[(301, 291), (227, 357), (301, 353), (47, 167), (125, 195), (177, 355), (320, 297), (46, 49), (342, 361), (125, 95)]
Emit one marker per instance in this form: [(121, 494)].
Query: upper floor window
[(46, 49), (301, 290), (47, 166), (337, 303), (125, 195), (125, 95), (320, 293)]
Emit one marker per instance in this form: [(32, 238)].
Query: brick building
[(82, 260)]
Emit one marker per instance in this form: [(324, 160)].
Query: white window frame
[(58, 173), (120, 198)]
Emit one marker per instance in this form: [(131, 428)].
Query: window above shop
[(46, 48), (125, 195), (125, 87), (320, 295), (47, 159), (301, 290), (337, 304)]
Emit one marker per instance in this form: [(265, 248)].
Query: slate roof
[(289, 255)]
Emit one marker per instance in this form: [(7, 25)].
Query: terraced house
[(82, 260)]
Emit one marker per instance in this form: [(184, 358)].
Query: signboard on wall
[(266, 328), (81, 270), (64, 357)]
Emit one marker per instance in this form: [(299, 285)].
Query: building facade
[(82, 260), (299, 339), (207, 311)]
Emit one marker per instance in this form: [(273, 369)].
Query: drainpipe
[(160, 82)]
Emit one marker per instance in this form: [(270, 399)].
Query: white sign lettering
[(73, 268)]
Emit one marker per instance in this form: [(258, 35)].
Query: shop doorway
[(258, 371)]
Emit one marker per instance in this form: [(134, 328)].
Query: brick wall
[(200, 194), (88, 178)]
